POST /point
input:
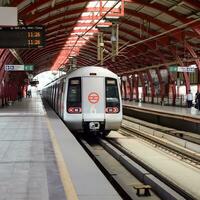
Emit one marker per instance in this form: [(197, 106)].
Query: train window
[(74, 95), (112, 96)]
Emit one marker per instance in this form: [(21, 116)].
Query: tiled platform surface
[(28, 167)]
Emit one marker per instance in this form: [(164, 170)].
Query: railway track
[(106, 152), (184, 149), (151, 127), (127, 170)]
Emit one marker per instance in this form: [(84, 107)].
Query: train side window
[(74, 95), (112, 96)]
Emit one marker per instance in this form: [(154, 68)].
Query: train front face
[(94, 101)]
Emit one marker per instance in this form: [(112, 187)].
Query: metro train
[(88, 99)]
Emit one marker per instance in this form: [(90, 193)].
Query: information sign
[(173, 68), (28, 67), (186, 69), (19, 67), (181, 69)]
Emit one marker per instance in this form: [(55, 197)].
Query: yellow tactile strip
[(68, 186)]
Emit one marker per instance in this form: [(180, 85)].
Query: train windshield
[(112, 93), (74, 93)]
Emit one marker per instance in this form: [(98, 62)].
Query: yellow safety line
[(69, 188)]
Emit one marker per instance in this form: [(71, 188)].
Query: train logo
[(93, 97)]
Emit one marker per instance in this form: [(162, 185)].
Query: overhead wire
[(78, 37), (157, 66), (154, 37)]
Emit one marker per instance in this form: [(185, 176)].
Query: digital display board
[(22, 37)]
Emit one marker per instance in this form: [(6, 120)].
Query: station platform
[(193, 112), (186, 119), (41, 160)]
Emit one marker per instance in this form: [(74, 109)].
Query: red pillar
[(197, 61), (125, 90), (143, 86), (185, 74), (136, 84), (161, 84), (152, 86), (172, 87), (130, 82)]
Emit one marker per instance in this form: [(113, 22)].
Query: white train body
[(87, 99)]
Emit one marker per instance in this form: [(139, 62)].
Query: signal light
[(74, 110), (112, 110)]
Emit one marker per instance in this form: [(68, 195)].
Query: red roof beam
[(71, 19), (48, 9), (74, 32), (33, 19)]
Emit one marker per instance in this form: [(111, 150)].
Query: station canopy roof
[(151, 32)]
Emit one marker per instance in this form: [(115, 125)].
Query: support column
[(125, 91), (130, 83), (161, 93), (152, 86), (172, 86), (124, 87), (197, 61), (144, 92), (185, 74), (136, 84)]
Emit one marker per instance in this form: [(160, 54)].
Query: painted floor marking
[(69, 188)]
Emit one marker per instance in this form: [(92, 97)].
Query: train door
[(93, 101)]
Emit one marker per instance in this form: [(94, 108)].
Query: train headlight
[(112, 110), (94, 125), (74, 110)]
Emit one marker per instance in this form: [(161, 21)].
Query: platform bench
[(140, 187)]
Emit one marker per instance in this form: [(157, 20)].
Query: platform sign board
[(173, 68), (19, 67), (8, 16), (181, 69), (186, 69), (28, 67), (22, 37)]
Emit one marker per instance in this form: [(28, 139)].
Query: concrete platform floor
[(30, 169)]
